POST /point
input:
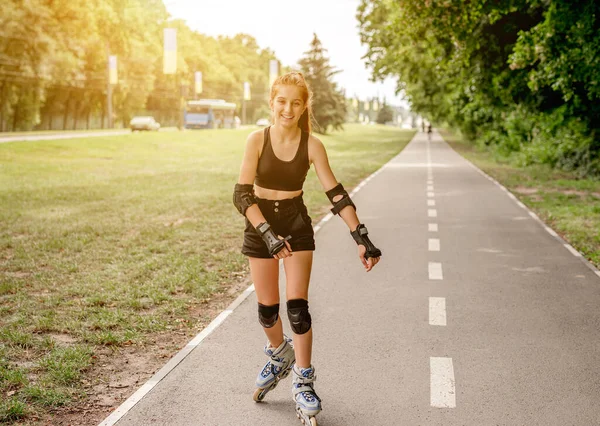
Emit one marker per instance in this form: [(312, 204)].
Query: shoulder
[(255, 139), (316, 149)]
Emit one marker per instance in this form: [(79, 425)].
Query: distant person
[(429, 131), (423, 126), (269, 195)]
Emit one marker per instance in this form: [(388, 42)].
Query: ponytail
[(304, 122)]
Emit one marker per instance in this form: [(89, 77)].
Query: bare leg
[(297, 273), (265, 276)]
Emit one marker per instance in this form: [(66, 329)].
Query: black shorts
[(286, 217)]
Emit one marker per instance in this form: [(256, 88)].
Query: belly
[(272, 194)]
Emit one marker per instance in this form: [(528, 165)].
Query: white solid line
[(434, 244), (431, 194), (572, 250), (443, 393), (431, 203), (521, 205), (430, 187), (327, 217), (432, 213), (511, 195), (437, 311), (597, 273), (551, 231), (433, 227), (435, 271), (533, 215)]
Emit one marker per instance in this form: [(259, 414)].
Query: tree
[(385, 114), (519, 76), (328, 104)]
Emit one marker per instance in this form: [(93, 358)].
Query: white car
[(263, 122), (144, 123)]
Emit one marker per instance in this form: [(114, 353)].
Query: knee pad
[(299, 316), (267, 315)]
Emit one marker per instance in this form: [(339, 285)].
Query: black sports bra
[(273, 173)]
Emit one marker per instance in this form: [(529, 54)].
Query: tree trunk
[(16, 111), (66, 112), (2, 96)]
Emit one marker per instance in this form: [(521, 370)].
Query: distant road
[(69, 135)]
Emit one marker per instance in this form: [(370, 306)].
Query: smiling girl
[(269, 195)]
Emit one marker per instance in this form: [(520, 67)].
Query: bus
[(210, 114)]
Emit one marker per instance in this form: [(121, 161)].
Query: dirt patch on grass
[(117, 373)]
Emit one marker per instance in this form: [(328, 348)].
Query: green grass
[(571, 206), (105, 241)]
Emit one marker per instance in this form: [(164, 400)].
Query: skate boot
[(277, 368), (308, 404)]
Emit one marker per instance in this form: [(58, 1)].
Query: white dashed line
[(434, 244), (435, 271), (443, 393), (572, 250), (432, 213), (431, 194), (437, 311), (433, 227), (431, 203)]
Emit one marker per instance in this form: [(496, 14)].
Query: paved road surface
[(475, 316)]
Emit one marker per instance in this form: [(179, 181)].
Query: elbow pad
[(343, 202), (243, 197)]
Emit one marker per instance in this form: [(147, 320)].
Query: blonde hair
[(297, 79)]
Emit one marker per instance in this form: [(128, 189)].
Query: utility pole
[(108, 88), (246, 97)]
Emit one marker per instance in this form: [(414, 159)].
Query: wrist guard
[(342, 202), (243, 197), (274, 244), (361, 236)]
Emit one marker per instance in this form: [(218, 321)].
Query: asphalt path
[(476, 315)]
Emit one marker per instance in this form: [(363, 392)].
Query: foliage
[(385, 114), (329, 103), (520, 77), (53, 64)]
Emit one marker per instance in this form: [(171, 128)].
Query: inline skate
[(308, 404), (278, 367)]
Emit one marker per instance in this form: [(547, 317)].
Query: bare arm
[(248, 173), (348, 213), (328, 181)]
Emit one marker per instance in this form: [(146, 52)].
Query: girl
[(269, 194)]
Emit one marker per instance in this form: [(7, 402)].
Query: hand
[(284, 252), (367, 263)]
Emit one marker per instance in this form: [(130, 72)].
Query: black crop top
[(273, 173)]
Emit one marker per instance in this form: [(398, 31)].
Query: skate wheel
[(259, 395)]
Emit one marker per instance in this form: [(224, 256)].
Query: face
[(287, 105)]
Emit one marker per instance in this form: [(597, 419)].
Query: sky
[(287, 28)]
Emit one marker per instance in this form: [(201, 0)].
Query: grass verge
[(108, 241), (570, 205)]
